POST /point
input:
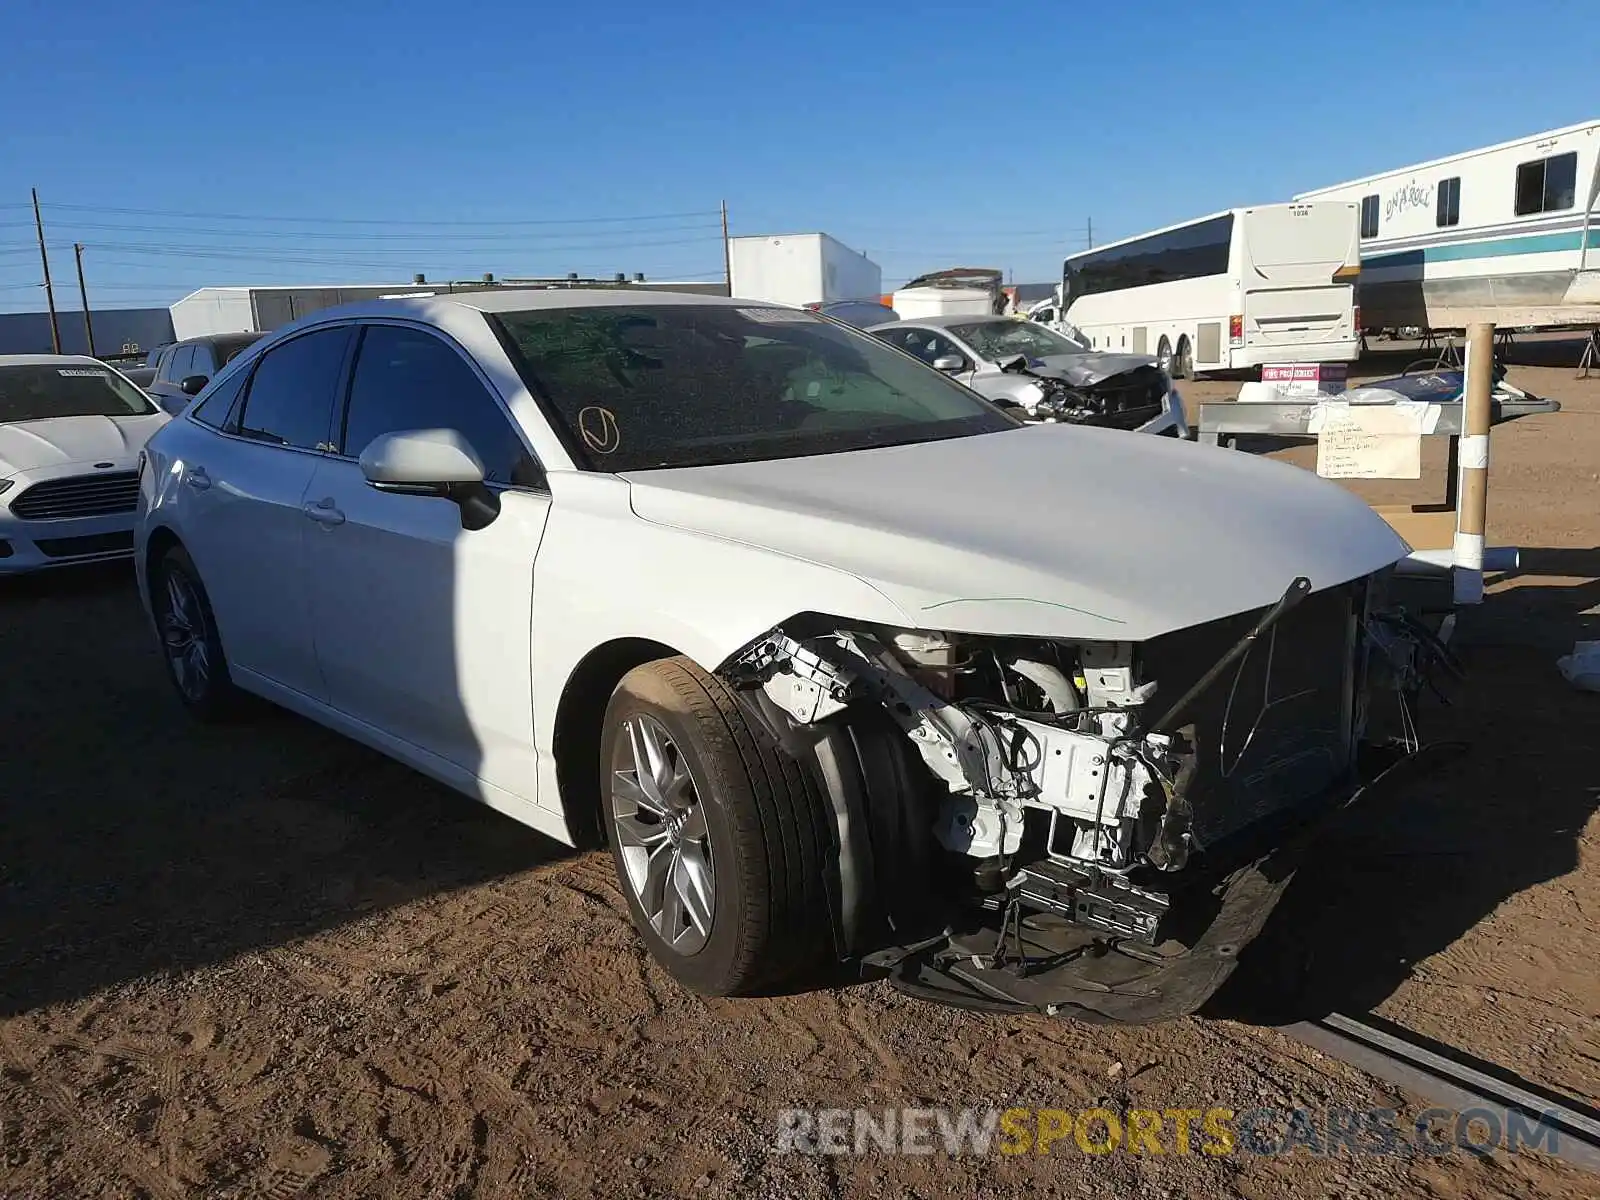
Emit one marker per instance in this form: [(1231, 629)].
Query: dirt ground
[(261, 961)]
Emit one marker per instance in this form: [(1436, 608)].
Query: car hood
[(1089, 368), (60, 441), (1043, 531)]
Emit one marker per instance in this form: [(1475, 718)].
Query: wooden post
[(1472, 508), (49, 291), (83, 295), (727, 249)]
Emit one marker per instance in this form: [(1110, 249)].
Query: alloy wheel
[(183, 635), (659, 823)]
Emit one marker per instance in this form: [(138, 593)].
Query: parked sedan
[(1052, 378), (842, 661), (71, 429)]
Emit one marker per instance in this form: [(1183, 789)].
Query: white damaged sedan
[(71, 429), (744, 594)]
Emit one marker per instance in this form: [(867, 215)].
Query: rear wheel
[(190, 646), (1164, 355), (1183, 361), (720, 840)]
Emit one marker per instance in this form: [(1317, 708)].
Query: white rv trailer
[(1270, 284), (1504, 234)]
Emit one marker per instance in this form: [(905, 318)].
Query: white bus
[(1269, 284), (1506, 234)]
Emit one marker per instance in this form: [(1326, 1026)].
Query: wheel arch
[(580, 716), (161, 540)]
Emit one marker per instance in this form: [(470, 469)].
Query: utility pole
[(1091, 233), (727, 249), (49, 292), (83, 294)]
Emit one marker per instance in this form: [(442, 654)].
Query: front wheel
[(721, 841)]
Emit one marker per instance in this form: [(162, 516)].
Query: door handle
[(324, 513), (197, 478)]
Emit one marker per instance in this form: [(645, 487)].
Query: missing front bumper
[(1032, 960)]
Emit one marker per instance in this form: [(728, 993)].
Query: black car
[(183, 368)]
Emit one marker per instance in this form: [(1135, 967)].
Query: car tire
[(191, 649), (722, 846), (1164, 355), (1183, 361)]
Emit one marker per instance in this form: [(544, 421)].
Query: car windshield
[(39, 391), (1000, 340), (639, 386)]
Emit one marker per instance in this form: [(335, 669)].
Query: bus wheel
[(1183, 361), (1164, 355)]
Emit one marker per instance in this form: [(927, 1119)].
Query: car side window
[(408, 379), (939, 346), (201, 363), (291, 396), (214, 409), (176, 357)]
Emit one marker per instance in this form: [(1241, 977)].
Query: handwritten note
[(1370, 442)]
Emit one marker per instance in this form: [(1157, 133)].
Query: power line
[(708, 229), (212, 216)]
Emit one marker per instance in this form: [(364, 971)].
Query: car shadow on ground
[(1397, 881), (134, 840)]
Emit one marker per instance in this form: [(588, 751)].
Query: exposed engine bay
[(1030, 824), (1116, 391)]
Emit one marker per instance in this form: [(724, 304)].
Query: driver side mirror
[(431, 462), (193, 385), (949, 362)]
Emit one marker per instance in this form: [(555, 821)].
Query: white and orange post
[(1472, 508)]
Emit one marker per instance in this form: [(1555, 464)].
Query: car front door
[(245, 523), (423, 629)]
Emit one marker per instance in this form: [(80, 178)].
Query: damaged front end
[(1098, 827), (1123, 393)]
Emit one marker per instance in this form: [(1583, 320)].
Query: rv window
[(1547, 184), (1449, 202), (1369, 216)]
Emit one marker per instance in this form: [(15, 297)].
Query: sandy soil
[(261, 961)]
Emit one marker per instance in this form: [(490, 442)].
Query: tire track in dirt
[(108, 1155)]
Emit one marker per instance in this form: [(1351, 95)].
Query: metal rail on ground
[(1452, 1078)]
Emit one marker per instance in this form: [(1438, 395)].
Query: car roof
[(48, 360), (498, 300), (942, 320), (237, 335)]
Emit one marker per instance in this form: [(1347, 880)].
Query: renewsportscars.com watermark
[(1212, 1131)]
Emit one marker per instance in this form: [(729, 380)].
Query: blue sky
[(366, 141)]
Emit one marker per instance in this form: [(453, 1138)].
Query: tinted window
[(634, 386), (39, 391), (200, 363), (406, 379), (290, 401), (1547, 184), (1448, 203), (1190, 252), (1369, 216), (219, 401), (177, 357)]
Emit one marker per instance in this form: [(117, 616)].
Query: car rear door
[(245, 523), (424, 629)]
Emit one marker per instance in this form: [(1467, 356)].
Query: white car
[(1051, 377), (71, 429), (745, 594)]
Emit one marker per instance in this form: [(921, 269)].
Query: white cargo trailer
[(801, 269)]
